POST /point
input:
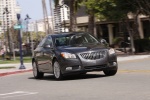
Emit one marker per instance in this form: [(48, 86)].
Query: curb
[(14, 72), (129, 58)]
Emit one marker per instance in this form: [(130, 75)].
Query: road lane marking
[(11, 93), (16, 94)]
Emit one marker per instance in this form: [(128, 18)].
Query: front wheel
[(57, 71), (110, 72), (36, 73)]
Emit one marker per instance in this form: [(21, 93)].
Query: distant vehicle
[(69, 53)]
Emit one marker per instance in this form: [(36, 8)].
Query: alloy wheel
[(34, 69)]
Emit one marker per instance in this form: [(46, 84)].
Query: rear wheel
[(57, 71), (36, 73), (110, 72)]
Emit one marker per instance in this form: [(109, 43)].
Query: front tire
[(36, 73), (57, 71), (110, 72)]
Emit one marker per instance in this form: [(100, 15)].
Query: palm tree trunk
[(72, 16), (131, 36), (91, 24)]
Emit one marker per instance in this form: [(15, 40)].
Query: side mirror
[(104, 42), (48, 46)]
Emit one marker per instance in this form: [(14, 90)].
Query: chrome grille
[(93, 55)]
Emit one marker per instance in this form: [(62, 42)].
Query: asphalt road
[(132, 82)]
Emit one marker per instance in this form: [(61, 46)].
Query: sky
[(31, 7)]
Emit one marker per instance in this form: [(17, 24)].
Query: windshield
[(75, 39)]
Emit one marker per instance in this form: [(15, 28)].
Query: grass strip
[(25, 60), (7, 67)]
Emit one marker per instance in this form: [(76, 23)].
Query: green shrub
[(142, 45), (117, 40)]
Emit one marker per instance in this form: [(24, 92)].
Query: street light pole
[(20, 41)]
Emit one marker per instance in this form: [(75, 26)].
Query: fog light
[(79, 67), (69, 68), (114, 63)]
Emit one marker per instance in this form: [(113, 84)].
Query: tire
[(110, 72), (57, 71), (36, 73)]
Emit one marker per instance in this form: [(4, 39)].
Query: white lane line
[(16, 94), (20, 95)]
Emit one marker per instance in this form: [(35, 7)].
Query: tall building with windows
[(7, 14), (61, 15)]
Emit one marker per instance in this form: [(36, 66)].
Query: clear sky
[(31, 7)]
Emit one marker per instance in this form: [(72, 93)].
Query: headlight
[(111, 51), (68, 55)]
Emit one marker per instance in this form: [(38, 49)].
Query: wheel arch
[(33, 60), (54, 59)]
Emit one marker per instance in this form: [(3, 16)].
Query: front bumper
[(83, 65)]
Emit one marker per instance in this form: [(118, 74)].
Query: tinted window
[(73, 39), (82, 39)]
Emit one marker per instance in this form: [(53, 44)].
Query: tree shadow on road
[(48, 77)]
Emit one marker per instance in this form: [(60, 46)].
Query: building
[(110, 30), (7, 13), (39, 25), (61, 15)]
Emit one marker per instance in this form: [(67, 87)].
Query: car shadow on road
[(72, 77)]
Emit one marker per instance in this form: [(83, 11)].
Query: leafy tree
[(90, 9), (111, 10), (101, 9), (142, 5)]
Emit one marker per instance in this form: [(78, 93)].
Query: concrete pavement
[(15, 70)]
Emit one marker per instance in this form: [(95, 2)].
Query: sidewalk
[(15, 70)]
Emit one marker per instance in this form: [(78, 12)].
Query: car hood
[(81, 48)]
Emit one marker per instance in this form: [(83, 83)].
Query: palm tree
[(90, 9), (91, 23)]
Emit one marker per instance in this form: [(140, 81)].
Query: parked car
[(68, 53)]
